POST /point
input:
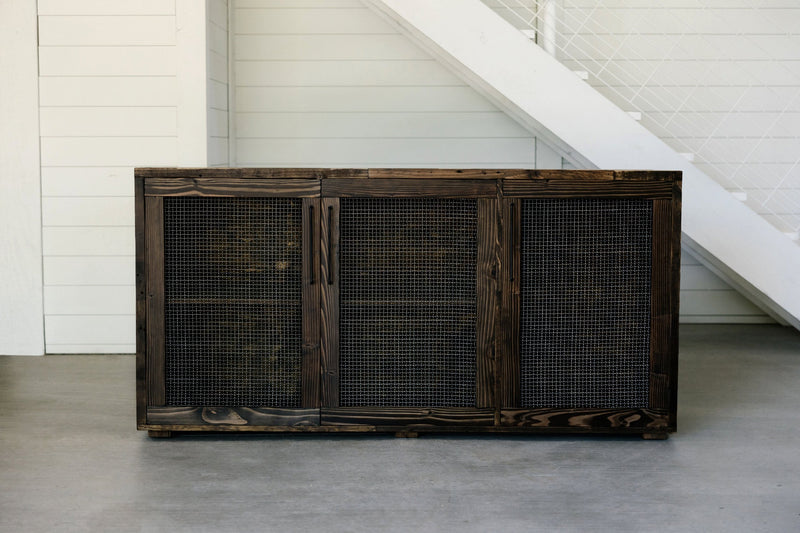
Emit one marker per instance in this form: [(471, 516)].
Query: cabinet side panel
[(154, 238), (141, 302), (661, 319), (675, 258)]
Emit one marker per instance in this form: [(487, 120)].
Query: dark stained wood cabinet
[(407, 300)]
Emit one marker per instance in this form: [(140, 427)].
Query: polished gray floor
[(72, 460)]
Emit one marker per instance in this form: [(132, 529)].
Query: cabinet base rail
[(650, 423)]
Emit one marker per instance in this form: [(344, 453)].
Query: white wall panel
[(99, 91), (98, 348), (106, 30), (87, 181), (108, 121), (304, 4), (89, 300), (477, 124), (106, 7), (716, 303), (323, 20), (217, 123), (107, 61), (95, 211), (699, 278), (360, 99), (345, 73), (217, 66), (79, 271), (86, 332), (546, 157), (326, 47), (217, 95), (387, 152), (218, 153), (88, 241), (108, 151), (707, 299)]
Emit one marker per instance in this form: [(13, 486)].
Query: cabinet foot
[(655, 436), (406, 434), (157, 434)]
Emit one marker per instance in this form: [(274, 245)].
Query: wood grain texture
[(531, 174), (447, 173), (329, 302), (649, 175), (222, 428), (408, 188), (407, 416), (488, 302), (231, 416), (141, 302), (660, 305), (250, 173), (653, 420), (508, 356), (156, 331), (232, 187), (310, 373), (587, 188)]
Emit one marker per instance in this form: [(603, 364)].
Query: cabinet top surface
[(409, 173)]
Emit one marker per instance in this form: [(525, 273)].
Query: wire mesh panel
[(407, 302), (233, 270), (585, 298)]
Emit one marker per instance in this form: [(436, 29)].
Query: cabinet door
[(228, 280), (408, 302), (590, 298)]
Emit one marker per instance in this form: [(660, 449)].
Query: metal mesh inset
[(233, 301), (585, 293), (407, 302)]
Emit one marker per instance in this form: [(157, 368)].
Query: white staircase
[(590, 131)]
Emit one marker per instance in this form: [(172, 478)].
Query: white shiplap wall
[(330, 83), (108, 102), (217, 72)]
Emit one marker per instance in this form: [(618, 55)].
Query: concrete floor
[(72, 460)]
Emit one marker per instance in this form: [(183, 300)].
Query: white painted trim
[(571, 116), (231, 84), (191, 55), (21, 293)]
